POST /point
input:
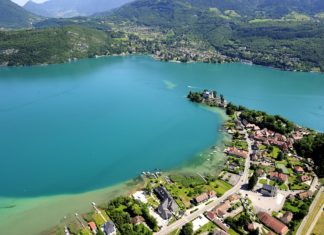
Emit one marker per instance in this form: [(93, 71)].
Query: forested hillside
[(287, 36), (55, 45)]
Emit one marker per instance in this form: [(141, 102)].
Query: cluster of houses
[(268, 137), (108, 228), (222, 211)]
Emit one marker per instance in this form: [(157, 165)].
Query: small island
[(269, 184)]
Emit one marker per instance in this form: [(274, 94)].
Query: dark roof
[(109, 227), (162, 193), (269, 187)]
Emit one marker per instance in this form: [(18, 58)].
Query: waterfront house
[(93, 227), (287, 217), (109, 228), (237, 152), (168, 205), (268, 190), (273, 223)]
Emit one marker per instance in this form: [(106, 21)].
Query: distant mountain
[(72, 8), (14, 16)]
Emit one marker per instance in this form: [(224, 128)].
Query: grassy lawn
[(152, 201), (232, 232), (274, 153), (175, 232), (262, 147), (293, 206), (299, 186), (186, 187), (85, 231), (319, 227), (321, 180), (272, 183), (98, 219), (313, 213), (283, 187), (219, 186), (209, 227), (282, 167), (240, 144), (263, 181)]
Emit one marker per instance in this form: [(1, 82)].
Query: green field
[(282, 167)]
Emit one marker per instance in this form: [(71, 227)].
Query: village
[(264, 188)]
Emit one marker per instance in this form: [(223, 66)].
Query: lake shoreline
[(240, 61), (80, 202)]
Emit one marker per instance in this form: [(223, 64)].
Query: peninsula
[(266, 186)]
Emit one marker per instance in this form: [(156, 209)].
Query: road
[(311, 208), (189, 217)]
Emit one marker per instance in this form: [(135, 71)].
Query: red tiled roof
[(273, 223), (202, 197), (298, 168), (92, 225)]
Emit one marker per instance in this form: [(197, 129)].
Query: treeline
[(312, 146), (275, 123), (122, 209)]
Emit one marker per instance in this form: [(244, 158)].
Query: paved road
[(189, 217), (311, 208)]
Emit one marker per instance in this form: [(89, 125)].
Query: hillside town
[(264, 188)]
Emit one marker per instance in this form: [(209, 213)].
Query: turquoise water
[(73, 128)]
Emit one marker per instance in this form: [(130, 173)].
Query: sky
[(22, 2)]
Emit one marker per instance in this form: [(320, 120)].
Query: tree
[(280, 156), (253, 181), (136, 209), (187, 229), (222, 98)]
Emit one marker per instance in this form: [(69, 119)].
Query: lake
[(77, 128)]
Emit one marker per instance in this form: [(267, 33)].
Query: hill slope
[(72, 8), (286, 34), (14, 16)]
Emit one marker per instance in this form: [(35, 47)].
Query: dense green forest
[(312, 146), (56, 45)]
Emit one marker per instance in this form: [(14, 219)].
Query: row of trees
[(122, 209)]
